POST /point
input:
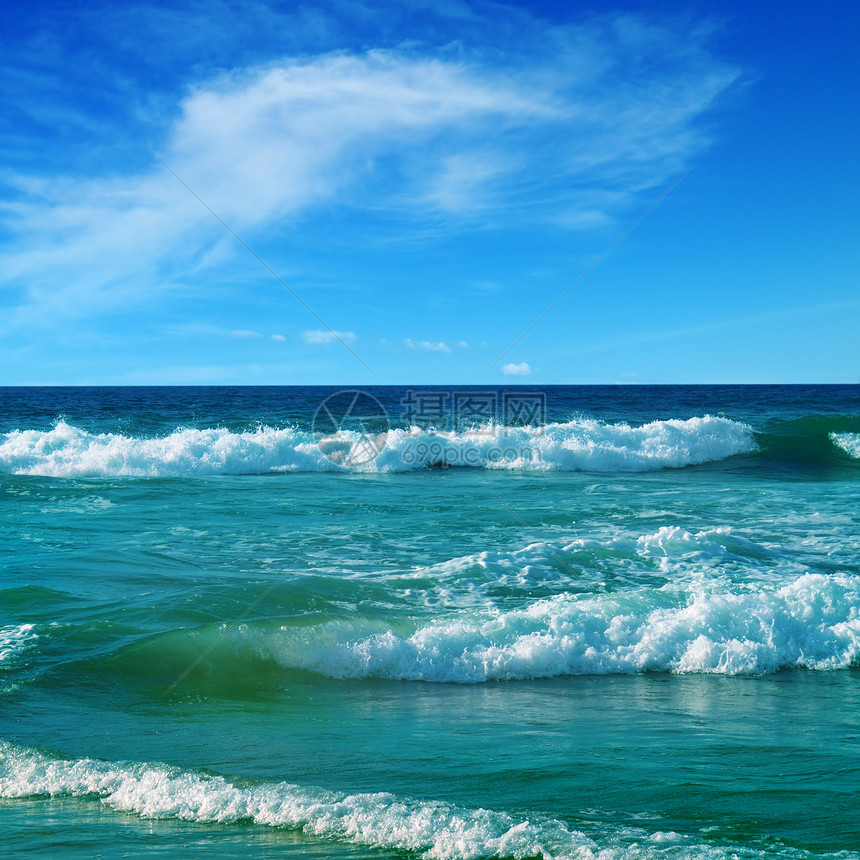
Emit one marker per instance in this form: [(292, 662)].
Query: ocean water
[(572, 622)]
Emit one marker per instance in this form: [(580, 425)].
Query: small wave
[(433, 830), (580, 445), (848, 442), (812, 622)]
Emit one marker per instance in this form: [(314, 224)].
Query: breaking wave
[(710, 627), (433, 830), (579, 445), (813, 622)]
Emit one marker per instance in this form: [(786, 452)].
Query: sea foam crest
[(436, 830), (811, 622), (848, 442), (580, 445), (433, 830), (68, 451)]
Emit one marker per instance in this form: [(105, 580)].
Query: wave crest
[(812, 622), (580, 445), (436, 830), (848, 442)]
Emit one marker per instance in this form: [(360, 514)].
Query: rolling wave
[(579, 445), (811, 622), (431, 829)]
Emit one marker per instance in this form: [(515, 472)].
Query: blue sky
[(426, 180)]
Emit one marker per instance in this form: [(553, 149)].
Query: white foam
[(433, 830), (848, 442), (436, 830), (68, 451), (583, 564), (706, 627), (583, 444), (579, 445)]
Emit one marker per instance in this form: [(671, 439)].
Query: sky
[(448, 192)]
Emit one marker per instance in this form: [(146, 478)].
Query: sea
[(430, 622)]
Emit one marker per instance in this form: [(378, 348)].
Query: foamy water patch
[(15, 639), (848, 442), (589, 564), (811, 622)]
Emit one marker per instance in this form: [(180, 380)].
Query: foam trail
[(811, 622), (848, 442), (580, 445)]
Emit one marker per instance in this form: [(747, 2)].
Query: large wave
[(813, 622), (710, 627), (579, 445)]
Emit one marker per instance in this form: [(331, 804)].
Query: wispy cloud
[(571, 132), (321, 337)]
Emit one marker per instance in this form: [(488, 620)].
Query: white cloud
[(245, 333), (521, 369), (320, 336), (604, 111), (278, 337), (434, 346)]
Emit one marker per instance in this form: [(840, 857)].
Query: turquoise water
[(626, 624)]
